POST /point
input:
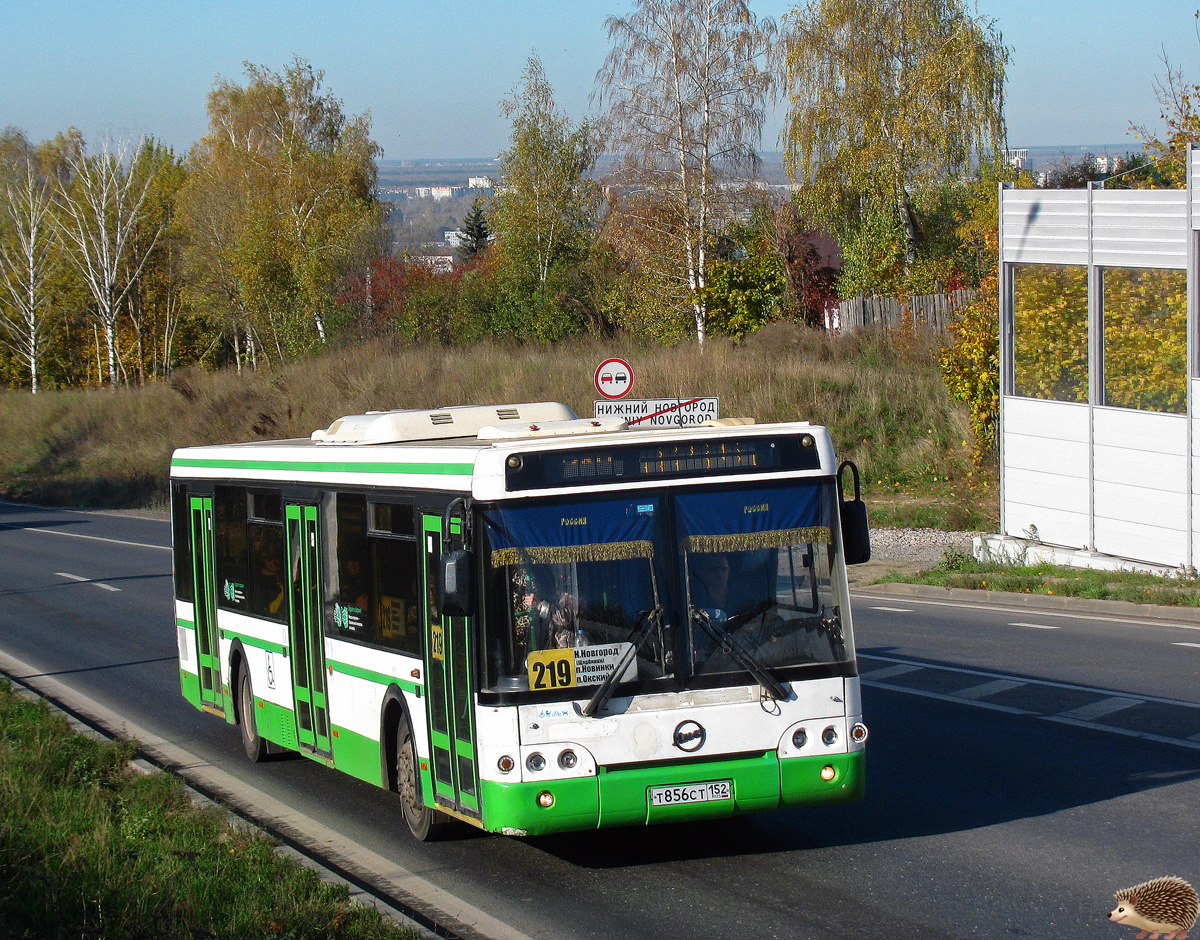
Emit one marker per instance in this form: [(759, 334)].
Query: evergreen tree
[(475, 228)]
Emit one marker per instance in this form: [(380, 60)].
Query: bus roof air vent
[(515, 431), (394, 427)]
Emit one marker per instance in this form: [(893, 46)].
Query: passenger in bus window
[(268, 585)]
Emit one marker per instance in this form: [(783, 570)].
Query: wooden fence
[(924, 311)]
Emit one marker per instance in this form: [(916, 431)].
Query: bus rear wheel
[(253, 743), (424, 822)]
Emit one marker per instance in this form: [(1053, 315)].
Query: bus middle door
[(451, 699), (305, 629)]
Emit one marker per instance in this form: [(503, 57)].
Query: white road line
[(76, 535), (1034, 626), (895, 610), (990, 688), (1007, 609), (888, 672), (1193, 645), (942, 697), (985, 674), (75, 577), (1106, 706)]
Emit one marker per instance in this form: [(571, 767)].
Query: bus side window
[(230, 511), (181, 524), (352, 610), (267, 571), (395, 572)]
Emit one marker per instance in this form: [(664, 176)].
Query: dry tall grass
[(882, 397)]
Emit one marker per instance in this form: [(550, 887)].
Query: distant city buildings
[(1017, 158)]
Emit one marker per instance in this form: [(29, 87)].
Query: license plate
[(692, 793)]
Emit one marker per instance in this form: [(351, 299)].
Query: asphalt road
[(1022, 766)]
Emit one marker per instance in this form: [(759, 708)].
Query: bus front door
[(448, 668), (304, 629), (204, 581)]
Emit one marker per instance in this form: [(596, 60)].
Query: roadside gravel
[(907, 551)]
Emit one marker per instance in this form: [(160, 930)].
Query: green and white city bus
[(528, 621)]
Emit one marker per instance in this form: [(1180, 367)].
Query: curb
[(1188, 615)]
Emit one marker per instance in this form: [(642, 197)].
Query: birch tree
[(883, 96), (28, 256), (548, 201), (282, 202), (685, 84), (100, 222)]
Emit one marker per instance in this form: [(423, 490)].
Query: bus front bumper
[(619, 796)]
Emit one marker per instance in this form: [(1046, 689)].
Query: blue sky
[(432, 74)]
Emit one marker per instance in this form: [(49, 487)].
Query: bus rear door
[(204, 580)]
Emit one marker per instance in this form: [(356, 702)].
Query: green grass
[(959, 570), (881, 396), (91, 848)]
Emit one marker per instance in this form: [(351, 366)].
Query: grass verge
[(91, 848), (960, 570), (881, 395)]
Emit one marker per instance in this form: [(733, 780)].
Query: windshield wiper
[(644, 627), (761, 674)]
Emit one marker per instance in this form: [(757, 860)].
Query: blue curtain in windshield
[(606, 530), (743, 519)]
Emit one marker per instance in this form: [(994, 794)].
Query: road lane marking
[(942, 697), (76, 535), (888, 672), (994, 687), (985, 674), (1106, 706), (1034, 626), (82, 580), (1194, 645), (895, 610), (1000, 607)]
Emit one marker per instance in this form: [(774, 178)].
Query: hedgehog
[(1164, 905)]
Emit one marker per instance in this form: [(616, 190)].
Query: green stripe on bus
[(377, 677), (438, 469), (180, 622), (255, 642)]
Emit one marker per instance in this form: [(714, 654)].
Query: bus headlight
[(545, 799), (568, 759), (829, 736), (858, 732), (828, 773), (506, 764), (799, 738), (535, 762)]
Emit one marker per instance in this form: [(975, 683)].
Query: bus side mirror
[(456, 588), (856, 536)]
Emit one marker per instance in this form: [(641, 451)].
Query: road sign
[(614, 378), (661, 412)]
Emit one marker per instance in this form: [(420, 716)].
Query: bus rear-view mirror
[(456, 590)]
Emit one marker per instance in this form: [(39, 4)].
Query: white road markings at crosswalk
[(1193, 645), (75, 577), (1034, 626), (895, 610)]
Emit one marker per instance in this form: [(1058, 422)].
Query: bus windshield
[(664, 585)]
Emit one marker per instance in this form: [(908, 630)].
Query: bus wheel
[(424, 822), (254, 745)]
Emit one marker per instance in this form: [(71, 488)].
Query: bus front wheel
[(424, 822), (253, 743)]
